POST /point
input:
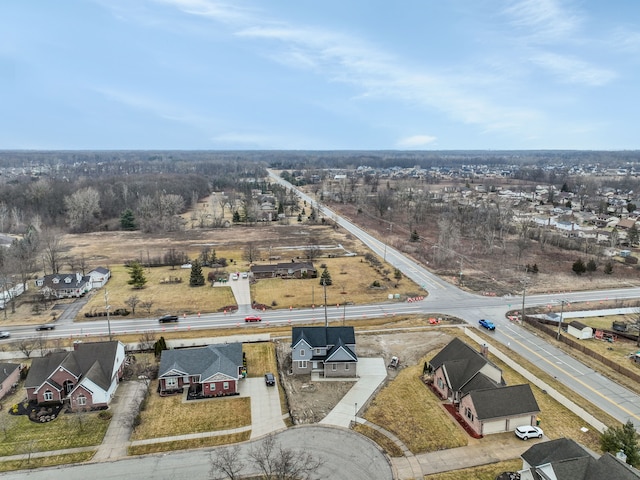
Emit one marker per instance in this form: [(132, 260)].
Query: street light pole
[(326, 319), (525, 280)]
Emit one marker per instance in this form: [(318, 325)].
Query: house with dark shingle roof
[(210, 371), (285, 270), (64, 285), (564, 459), (502, 409), (475, 386), (85, 378), (330, 351)]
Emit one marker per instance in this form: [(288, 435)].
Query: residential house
[(475, 387), (86, 377), (285, 270), (458, 368), (64, 285), (330, 351), (210, 371), (564, 459), (9, 377), (99, 277), (580, 330), (497, 410)]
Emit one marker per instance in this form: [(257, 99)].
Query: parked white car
[(527, 431)]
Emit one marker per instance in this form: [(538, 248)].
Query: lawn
[(48, 461), (351, 277), (173, 298), (407, 408), (484, 472), (212, 441), (19, 435), (166, 416), (261, 358)]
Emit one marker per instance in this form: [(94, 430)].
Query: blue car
[(487, 324)]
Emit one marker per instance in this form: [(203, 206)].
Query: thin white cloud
[(626, 40), (543, 20), (573, 70), (416, 141)]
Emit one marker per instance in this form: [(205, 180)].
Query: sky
[(320, 75)]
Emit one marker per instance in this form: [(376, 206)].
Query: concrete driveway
[(266, 411)]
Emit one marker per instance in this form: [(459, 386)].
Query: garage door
[(493, 426), (516, 422)]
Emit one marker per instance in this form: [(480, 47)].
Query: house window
[(212, 386), (317, 351), (68, 386), (302, 364), (225, 386), (82, 400), (170, 382), (346, 366), (468, 413), (302, 352), (440, 383), (48, 396), (334, 367)]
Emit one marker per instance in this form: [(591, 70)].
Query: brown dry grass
[(190, 417), (48, 461), (175, 298), (188, 444), (484, 472), (384, 442), (261, 358), (407, 408)]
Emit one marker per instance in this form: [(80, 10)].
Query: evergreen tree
[(591, 266), (127, 220), (633, 235), (624, 439), (197, 278), (579, 267), (414, 236), (325, 278), (136, 272), (236, 217), (608, 267)]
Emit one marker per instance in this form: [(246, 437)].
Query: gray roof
[(479, 382), (460, 361), (7, 369), (504, 402), (578, 325), (323, 336), (571, 461), (64, 281), (93, 360), (203, 361)]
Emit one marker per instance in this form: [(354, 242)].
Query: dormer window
[(67, 280), (55, 280)]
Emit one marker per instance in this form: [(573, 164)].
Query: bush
[(375, 284), (104, 415)]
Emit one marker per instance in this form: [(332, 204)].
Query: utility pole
[(524, 281), (107, 306), (562, 303), (326, 319)]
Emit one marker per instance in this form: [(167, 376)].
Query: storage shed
[(580, 330)]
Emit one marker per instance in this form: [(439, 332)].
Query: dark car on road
[(269, 379), (487, 324), (46, 326), (168, 319)]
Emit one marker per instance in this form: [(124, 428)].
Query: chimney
[(76, 343), (484, 350)]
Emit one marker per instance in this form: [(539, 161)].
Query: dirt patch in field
[(309, 402)]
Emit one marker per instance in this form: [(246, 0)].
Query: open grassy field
[(407, 408), (166, 416)]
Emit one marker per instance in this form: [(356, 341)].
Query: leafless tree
[(146, 340), (251, 252), (147, 306), (83, 209), (132, 302), (26, 347), (226, 461), (278, 463), (52, 248), (312, 249)]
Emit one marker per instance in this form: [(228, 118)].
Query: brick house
[(85, 378), (210, 371)]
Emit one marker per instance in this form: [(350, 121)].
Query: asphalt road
[(344, 455)]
